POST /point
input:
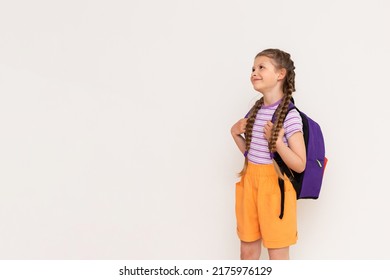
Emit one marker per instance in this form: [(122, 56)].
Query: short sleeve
[(292, 123)]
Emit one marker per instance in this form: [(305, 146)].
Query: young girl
[(258, 195)]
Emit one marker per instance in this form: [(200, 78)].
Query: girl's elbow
[(301, 167), (298, 169)]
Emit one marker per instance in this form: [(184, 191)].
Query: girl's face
[(265, 76)]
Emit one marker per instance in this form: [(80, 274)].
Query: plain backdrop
[(115, 122)]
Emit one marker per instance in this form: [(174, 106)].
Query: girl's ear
[(282, 74)]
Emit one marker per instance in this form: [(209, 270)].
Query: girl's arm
[(237, 129), (293, 155)]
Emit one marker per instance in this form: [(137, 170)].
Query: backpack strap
[(285, 170), (281, 186), (290, 107), (283, 167)]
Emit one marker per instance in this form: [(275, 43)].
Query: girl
[(258, 195)]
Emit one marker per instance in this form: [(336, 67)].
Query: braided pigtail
[(248, 130), (281, 60), (280, 116), (282, 108)]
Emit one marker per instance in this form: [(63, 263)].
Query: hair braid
[(280, 116), (249, 128), (288, 89), (251, 122)]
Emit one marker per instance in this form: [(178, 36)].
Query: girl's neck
[(272, 98)]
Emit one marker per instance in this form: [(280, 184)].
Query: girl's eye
[(260, 67)]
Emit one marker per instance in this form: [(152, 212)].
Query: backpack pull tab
[(319, 163)]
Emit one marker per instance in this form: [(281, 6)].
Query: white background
[(115, 124)]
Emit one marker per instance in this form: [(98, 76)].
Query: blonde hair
[(280, 60)]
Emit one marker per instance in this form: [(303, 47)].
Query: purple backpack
[(308, 183)]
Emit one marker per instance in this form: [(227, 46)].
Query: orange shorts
[(258, 205)]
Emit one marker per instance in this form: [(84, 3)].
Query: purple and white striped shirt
[(258, 151)]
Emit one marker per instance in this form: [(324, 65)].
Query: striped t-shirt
[(258, 152)]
